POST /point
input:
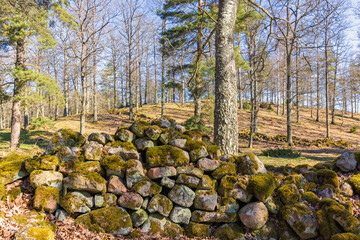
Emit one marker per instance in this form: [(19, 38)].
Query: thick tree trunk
[(15, 111), (95, 90), (226, 119)]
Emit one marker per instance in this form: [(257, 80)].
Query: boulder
[(46, 199), (93, 151), (77, 166), (158, 224), (134, 172), (46, 178), (12, 168), (206, 183), (182, 195), (197, 230), (301, 219), (262, 185), (65, 154), (225, 168), (116, 186), (30, 232), (97, 137), (190, 170), (130, 200), (160, 172), (139, 128), (126, 150), (114, 165), (143, 143), (45, 162), (205, 200), (250, 164), (346, 162), (77, 202), (160, 204), (188, 180), (346, 189), (146, 188), (166, 155), (167, 182), (124, 135), (90, 182), (254, 215), (208, 165), (153, 132), (162, 122), (65, 137), (118, 221), (179, 143), (139, 217), (229, 232), (180, 215)]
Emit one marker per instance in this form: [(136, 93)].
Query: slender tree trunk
[(84, 89), (15, 111), (95, 89), (66, 86), (297, 88), (289, 48), (327, 86), (198, 78), (226, 119), (317, 83), (155, 74), (163, 73)]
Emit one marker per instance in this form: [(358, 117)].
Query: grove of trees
[(79, 57)]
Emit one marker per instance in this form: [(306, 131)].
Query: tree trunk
[(163, 73), (15, 111), (327, 85), (155, 74), (226, 119), (95, 90), (317, 83)]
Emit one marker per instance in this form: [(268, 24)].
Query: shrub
[(39, 122), (278, 152), (246, 106), (195, 122), (354, 129)]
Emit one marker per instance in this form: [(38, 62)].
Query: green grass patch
[(27, 139)]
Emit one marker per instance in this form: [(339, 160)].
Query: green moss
[(197, 230), (229, 232), (354, 181), (117, 220), (347, 221), (141, 188), (225, 168), (227, 184), (357, 156), (311, 198), (12, 168), (296, 179), (139, 128), (45, 162), (71, 203), (261, 185), (136, 234), (289, 193), (128, 146), (326, 176), (244, 166), (77, 166), (345, 236), (43, 195), (309, 187), (166, 155), (40, 233), (2, 192), (20, 219), (72, 138), (13, 193), (325, 228), (195, 134), (46, 224), (192, 145), (214, 151)]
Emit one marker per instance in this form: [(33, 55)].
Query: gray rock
[(139, 217), (167, 182), (97, 137), (346, 189), (198, 153), (93, 151), (182, 195), (126, 154), (188, 180), (134, 173), (60, 214), (116, 186), (190, 170), (208, 165), (179, 143), (99, 201), (46, 178), (205, 200), (143, 143), (346, 162), (254, 215), (180, 128), (180, 215), (153, 132), (160, 204), (147, 188), (77, 202), (65, 137), (124, 135), (91, 182), (130, 200)]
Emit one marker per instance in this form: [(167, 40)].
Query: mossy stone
[(118, 221), (298, 179), (78, 166), (45, 162), (139, 217), (229, 232), (160, 204), (354, 181), (123, 134), (30, 232), (197, 230), (46, 198), (326, 176), (139, 128), (76, 202), (188, 180), (225, 168), (46, 178), (90, 182), (158, 224), (249, 164), (262, 185), (311, 198), (13, 193), (301, 219), (12, 168), (147, 188), (190, 170), (93, 151), (289, 194), (182, 195), (205, 200), (345, 236), (20, 219), (214, 152), (206, 183), (65, 137), (2, 192), (166, 155)]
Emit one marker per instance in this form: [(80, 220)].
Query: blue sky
[(354, 22)]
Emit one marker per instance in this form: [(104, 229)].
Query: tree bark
[(15, 112), (226, 119)]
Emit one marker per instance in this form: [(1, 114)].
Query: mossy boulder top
[(12, 168), (166, 155), (65, 137)]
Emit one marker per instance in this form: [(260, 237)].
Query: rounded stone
[(254, 215)]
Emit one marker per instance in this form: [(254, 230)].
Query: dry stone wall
[(159, 178)]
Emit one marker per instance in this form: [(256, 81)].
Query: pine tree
[(21, 21)]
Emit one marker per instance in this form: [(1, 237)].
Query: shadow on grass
[(27, 139)]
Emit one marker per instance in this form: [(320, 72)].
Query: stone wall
[(158, 178)]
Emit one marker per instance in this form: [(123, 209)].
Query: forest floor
[(270, 124)]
